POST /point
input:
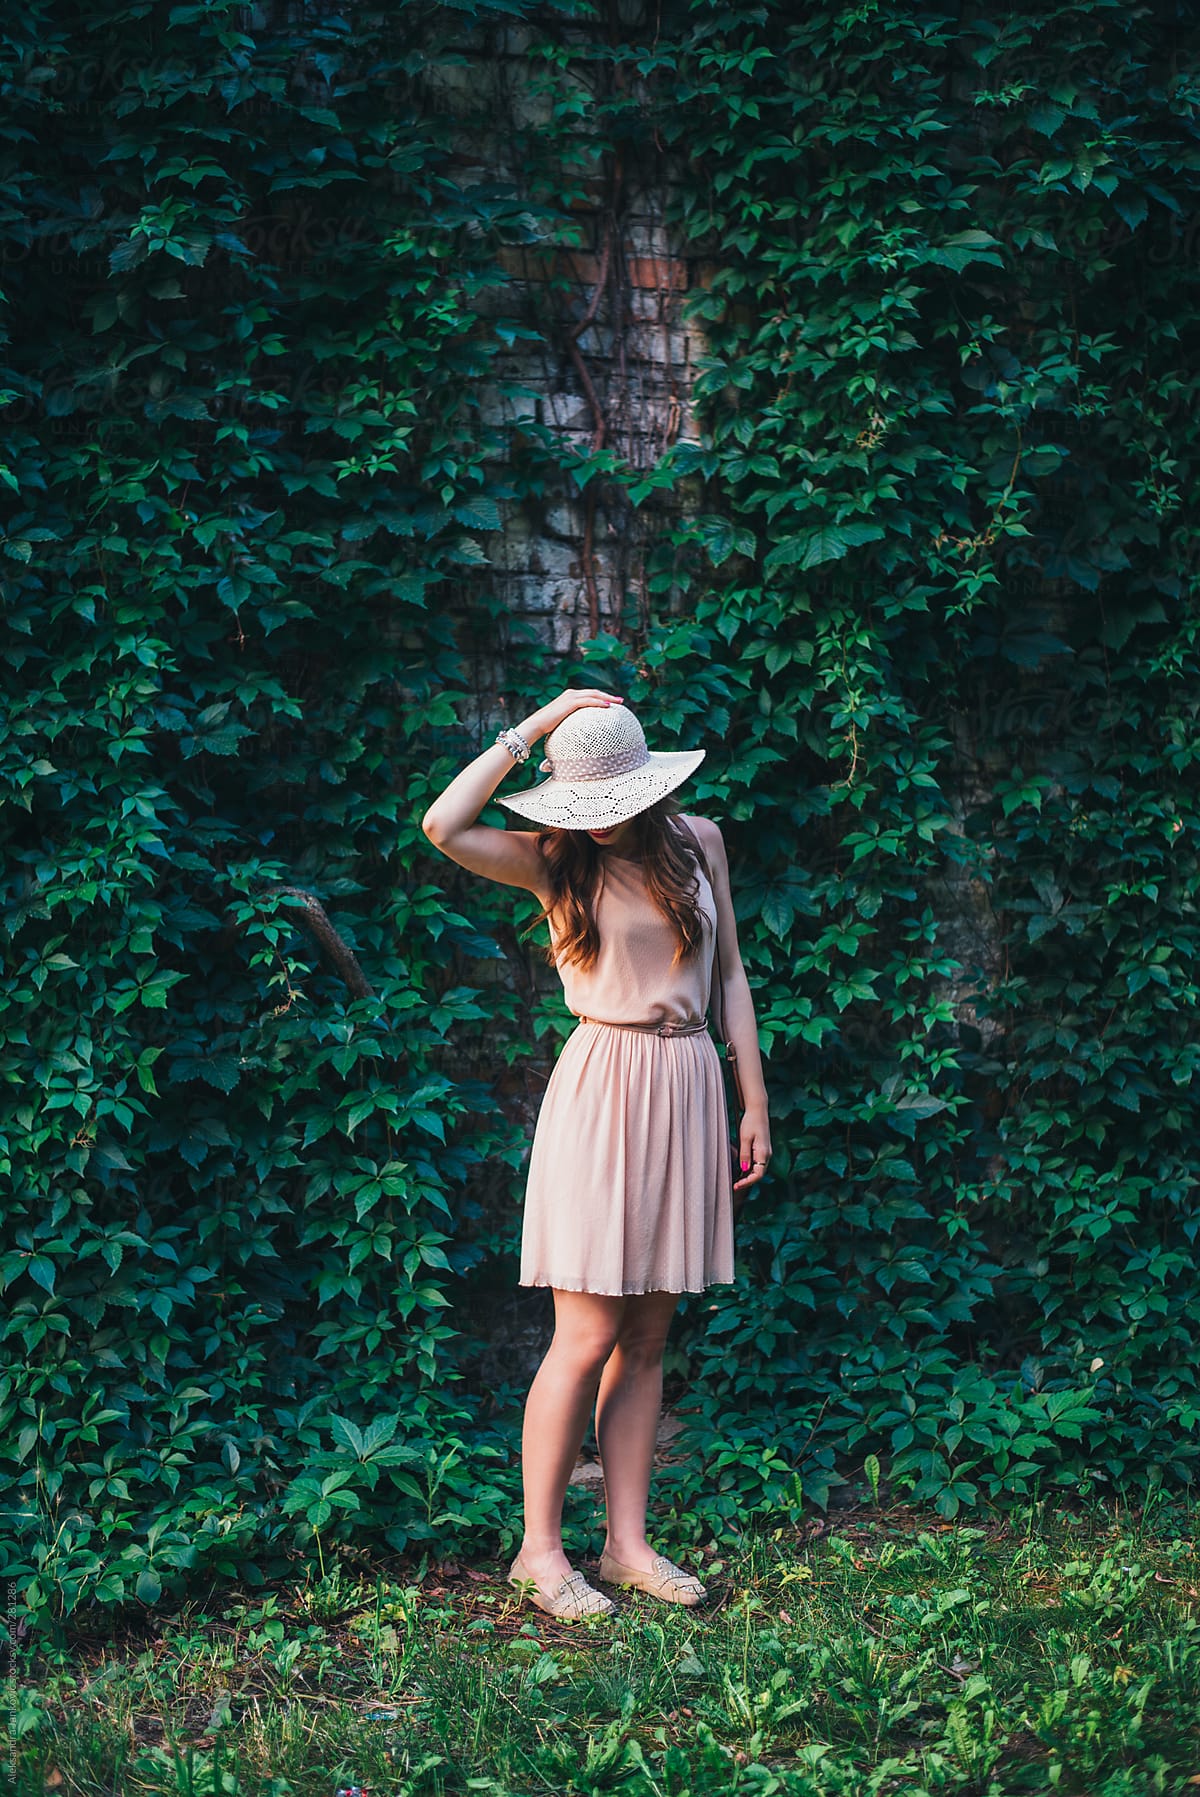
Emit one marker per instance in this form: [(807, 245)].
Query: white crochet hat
[(601, 771)]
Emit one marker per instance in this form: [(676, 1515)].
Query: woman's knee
[(643, 1347), (645, 1325), (585, 1334)]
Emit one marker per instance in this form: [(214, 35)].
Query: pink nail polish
[(745, 1166)]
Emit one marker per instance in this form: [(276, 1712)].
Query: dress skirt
[(629, 1187)]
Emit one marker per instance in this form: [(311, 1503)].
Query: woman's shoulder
[(708, 832), (712, 843)]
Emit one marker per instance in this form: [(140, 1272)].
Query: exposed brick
[(530, 263), (657, 271), (645, 237)]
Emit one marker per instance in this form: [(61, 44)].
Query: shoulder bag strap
[(717, 1004)]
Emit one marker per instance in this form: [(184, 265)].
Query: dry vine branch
[(339, 952), (599, 419)]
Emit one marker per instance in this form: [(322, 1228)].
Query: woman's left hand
[(754, 1145)]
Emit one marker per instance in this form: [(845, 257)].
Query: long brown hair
[(574, 863)]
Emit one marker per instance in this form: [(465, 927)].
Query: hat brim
[(594, 804)]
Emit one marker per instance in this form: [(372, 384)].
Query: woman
[(629, 1197)]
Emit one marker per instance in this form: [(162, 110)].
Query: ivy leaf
[(920, 1104), (1132, 208), (777, 912), (109, 1155), (478, 513), (41, 1269), (149, 1586), (220, 1070), (1045, 117), (827, 544), (965, 247), (721, 538), (347, 1435)]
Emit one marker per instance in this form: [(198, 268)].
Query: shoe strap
[(674, 1575), (575, 1585)]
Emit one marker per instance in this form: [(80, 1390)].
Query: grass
[(879, 1651)]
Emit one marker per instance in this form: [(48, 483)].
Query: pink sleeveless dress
[(629, 1187)]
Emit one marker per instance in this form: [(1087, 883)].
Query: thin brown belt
[(692, 1028)]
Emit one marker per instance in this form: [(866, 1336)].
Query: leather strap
[(690, 1028), (717, 997)]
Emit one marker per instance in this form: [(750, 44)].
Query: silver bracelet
[(515, 743)]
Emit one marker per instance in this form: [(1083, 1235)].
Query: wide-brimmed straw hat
[(601, 771)]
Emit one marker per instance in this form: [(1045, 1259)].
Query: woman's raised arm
[(508, 856)]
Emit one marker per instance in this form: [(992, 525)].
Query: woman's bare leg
[(628, 1405), (556, 1418)]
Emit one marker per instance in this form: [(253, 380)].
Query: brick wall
[(613, 368)]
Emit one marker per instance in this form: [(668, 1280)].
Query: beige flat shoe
[(572, 1598), (666, 1580)]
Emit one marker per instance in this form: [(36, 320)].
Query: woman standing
[(629, 1197)]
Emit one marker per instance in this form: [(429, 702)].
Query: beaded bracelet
[(515, 743)]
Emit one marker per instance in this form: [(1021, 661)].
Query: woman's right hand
[(569, 700)]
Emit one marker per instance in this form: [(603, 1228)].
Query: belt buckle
[(667, 1029)]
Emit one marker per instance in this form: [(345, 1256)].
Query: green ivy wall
[(922, 579)]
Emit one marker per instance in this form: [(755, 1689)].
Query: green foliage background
[(925, 589)]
